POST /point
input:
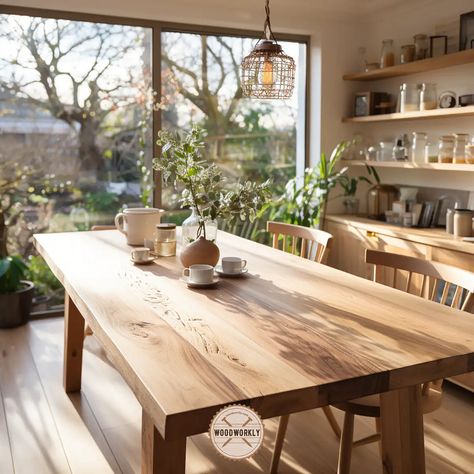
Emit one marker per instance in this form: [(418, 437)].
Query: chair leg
[(345, 447), (378, 428), (332, 421), (280, 438)]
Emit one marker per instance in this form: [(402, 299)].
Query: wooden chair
[(298, 240), (438, 282), (311, 244)]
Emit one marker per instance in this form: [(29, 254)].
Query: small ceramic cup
[(140, 254), (233, 264), (199, 273)]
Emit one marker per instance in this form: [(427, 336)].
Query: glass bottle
[(418, 147), (421, 46), (362, 59), (446, 149), (409, 98), (428, 97), (191, 225), (399, 152), (459, 152), (387, 55)]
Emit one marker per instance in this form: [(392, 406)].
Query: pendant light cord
[(267, 28)]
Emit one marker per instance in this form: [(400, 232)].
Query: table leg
[(401, 419), (73, 344), (160, 456)]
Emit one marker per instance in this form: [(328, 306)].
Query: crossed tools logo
[(236, 431)]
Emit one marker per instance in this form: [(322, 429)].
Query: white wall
[(400, 24)]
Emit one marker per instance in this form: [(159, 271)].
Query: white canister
[(138, 223)]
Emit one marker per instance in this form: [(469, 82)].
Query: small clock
[(447, 100)]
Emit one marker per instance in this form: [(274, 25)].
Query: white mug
[(140, 254), (233, 264), (199, 273), (138, 223)]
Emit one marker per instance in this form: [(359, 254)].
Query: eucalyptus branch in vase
[(182, 164)]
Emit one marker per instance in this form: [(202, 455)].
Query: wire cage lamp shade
[(267, 72)]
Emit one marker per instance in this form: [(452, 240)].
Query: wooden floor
[(43, 430)]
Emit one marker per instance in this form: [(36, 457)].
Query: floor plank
[(79, 430), (33, 434), (6, 461), (107, 413)]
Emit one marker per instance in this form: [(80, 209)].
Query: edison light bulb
[(267, 73)]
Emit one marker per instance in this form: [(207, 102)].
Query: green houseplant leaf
[(12, 271)]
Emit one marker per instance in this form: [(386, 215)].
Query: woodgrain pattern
[(401, 420), (310, 445), (73, 343), (415, 67), (281, 341), (433, 237), (160, 456)]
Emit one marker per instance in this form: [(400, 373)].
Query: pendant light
[(267, 72)]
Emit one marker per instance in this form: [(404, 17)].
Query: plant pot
[(15, 307), (202, 251)]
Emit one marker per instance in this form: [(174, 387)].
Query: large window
[(247, 138), (78, 97), (75, 120)]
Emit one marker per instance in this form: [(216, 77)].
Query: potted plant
[(349, 187), (15, 292), (204, 190)]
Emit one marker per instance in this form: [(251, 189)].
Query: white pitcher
[(138, 223)]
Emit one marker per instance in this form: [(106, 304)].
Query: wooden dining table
[(291, 335)]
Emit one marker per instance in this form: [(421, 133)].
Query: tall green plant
[(305, 198)]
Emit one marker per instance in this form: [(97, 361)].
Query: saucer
[(221, 272), (143, 262), (193, 284)]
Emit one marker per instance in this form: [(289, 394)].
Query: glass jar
[(165, 240), (463, 222), (409, 98), (460, 142), (446, 149), (192, 225), (387, 55), (470, 154), (385, 151), (428, 97), (431, 153), (418, 147), (421, 46), (407, 53)]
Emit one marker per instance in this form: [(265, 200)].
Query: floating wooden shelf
[(424, 65), (418, 115), (410, 165)]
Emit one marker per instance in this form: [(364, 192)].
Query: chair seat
[(370, 405)]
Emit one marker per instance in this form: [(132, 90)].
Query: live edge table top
[(289, 336)]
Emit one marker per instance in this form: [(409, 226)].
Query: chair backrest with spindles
[(437, 281), (299, 240)]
